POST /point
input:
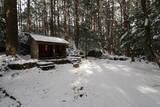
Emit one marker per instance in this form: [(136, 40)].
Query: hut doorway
[(60, 51), (45, 51)]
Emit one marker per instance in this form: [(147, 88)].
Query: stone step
[(47, 67), (43, 63)]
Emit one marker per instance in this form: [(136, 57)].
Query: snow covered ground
[(97, 83)]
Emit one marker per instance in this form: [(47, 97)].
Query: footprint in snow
[(79, 92), (15, 75)]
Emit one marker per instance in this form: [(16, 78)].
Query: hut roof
[(42, 38)]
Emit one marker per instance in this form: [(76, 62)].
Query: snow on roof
[(43, 38)]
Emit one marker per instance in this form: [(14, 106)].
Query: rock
[(15, 66), (48, 67), (119, 58), (94, 53), (65, 60), (45, 65), (76, 65), (21, 66), (115, 58), (75, 60)]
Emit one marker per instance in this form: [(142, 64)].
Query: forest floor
[(96, 83)]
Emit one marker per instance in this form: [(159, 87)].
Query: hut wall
[(34, 50)]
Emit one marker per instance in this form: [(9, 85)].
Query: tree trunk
[(148, 39), (148, 43), (28, 16), (65, 20), (76, 23), (20, 17), (69, 23), (12, 28), (51, 19), (45, 18), (126, 24), (58, 18), (55, 27)]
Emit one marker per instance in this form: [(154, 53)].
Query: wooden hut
[(46, 47)]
